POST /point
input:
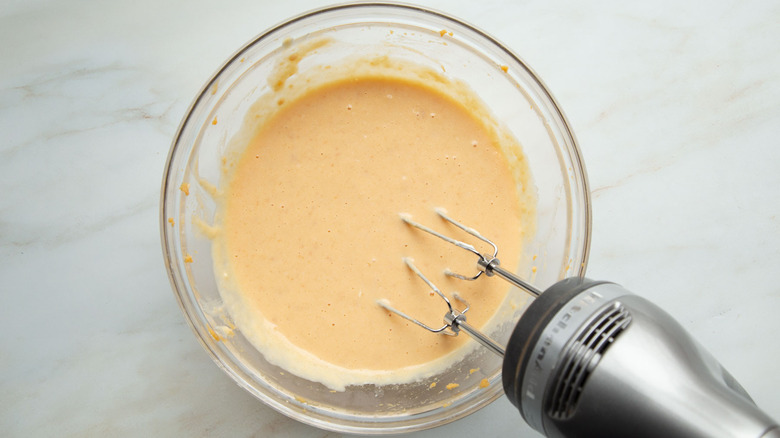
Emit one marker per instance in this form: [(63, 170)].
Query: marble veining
[(676, 106)]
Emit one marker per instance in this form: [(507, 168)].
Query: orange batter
[(311, 236)]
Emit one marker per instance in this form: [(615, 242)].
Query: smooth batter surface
[(311, 236)]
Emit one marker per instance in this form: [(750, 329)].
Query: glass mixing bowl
[(518, 100)]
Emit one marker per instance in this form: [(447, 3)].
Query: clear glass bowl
[(518, 101)]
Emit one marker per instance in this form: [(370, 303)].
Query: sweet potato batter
[(311, 236)]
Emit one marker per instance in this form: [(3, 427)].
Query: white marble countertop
[(676, 106)]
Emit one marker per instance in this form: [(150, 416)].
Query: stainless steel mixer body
[(590, 359)]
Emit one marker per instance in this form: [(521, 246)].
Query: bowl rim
[(167, 239)]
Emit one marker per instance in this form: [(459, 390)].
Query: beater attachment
[(487, 264), (454, 320)]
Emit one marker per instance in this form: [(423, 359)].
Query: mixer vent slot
[(582, 356)]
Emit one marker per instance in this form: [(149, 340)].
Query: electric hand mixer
[(590, 359)]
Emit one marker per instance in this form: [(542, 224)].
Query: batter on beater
[(310, 236)]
